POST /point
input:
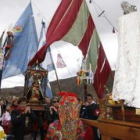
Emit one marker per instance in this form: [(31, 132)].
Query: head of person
[(15, 102), (68, 111), (1, 102), (89, 98), (85, 103), (55, 102), (22, 104), (48, 101), (8, 108)]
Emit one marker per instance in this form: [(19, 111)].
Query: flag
[(25, 44), (48, 62), (42, 38), (1, 57), (73, 23), (101, 73), (1, 53), (60, 61), (48, 90)]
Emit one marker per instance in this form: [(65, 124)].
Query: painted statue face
[(69, 116)]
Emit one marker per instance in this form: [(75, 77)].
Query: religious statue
[(9, 45), (127, 78), (35, 92), (128, 8), (35, 86)]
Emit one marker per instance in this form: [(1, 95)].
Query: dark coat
[(19, 128), (91, 110), (84, 112)]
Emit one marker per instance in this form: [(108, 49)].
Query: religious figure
[(9, 45), (128, 8), (127, 78), (35, 93)]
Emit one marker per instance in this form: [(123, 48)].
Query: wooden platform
[(112, 130), (129, 114), (37, 107)]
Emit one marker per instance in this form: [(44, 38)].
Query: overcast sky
[(10, 10)]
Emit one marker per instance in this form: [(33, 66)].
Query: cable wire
[(102, 14)]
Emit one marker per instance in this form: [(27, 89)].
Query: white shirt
[(93, 102), (6, 116)]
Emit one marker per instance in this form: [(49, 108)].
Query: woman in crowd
[(6, 120), (14, 105)]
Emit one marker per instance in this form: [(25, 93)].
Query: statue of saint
[(35, 92)]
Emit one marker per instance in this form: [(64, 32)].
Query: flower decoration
[(84, 76), (2, 134)]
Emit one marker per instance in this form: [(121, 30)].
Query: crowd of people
[(20, 121)]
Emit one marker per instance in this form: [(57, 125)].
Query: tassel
[(113, 30)]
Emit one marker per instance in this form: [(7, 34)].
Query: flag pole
[(56, 74), (57, 80), (1, 39), (1, 47)]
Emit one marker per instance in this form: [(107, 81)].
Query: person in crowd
[(44, 119), (22, 121), (2, 107), (39, 126), (47, 116), (9, 99), (84, 110), (14, 105), (48, 101), (54, 109), (93, 113), (93, 108), (6, 120)]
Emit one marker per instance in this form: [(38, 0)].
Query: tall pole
[(2, 59), (57, 80), (85, 90), (55, 72)]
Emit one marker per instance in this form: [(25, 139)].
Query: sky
[(11, 10)]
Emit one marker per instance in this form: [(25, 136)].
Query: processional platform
[(35, 87), (116, 130)]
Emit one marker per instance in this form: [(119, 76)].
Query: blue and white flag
[(49, 65), (25, 44), (48, 61), (42, 37), (48, 90), (42, 42)]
